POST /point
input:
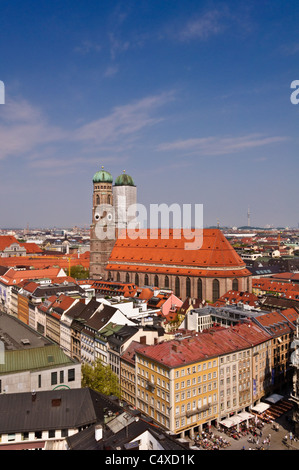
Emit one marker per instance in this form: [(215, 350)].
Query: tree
[(79, 272), (101, 378)]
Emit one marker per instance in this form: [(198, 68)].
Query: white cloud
[(23, 127), (88, 46), (209, 24), (124, 121), (111, 71), (219, 145), (25, 131)]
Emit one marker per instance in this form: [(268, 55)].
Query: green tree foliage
[(100, 378), (78, 272)]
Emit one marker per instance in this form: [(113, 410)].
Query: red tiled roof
[(31, 248), (284, 289), (277, 323), (216, 257), (63, 301), (12, 276), (233, 297), (7, 240), (40, 262), (202, 346)]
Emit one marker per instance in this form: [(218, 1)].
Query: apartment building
[(190, 383)]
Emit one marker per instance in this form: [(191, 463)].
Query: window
[(127, 277), (199, 289), (54, 378), (137, 279), (215, 290), (166, 281), (146, 280), (188, 287), (156, 281), (235, 284), (177, 286), (61, 376), (71, 375)]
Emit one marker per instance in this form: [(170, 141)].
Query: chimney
[(98, 432)]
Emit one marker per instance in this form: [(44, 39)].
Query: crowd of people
[(211, 441)]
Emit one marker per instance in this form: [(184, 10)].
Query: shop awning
[(260, 407), (227, 423), (236, 419), (244, 415), (274, 398)]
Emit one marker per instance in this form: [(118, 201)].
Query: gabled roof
[(62, 303), (7, 240)]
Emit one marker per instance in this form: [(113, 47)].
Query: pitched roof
[(201, 346), (153, 253), (7, 240), (234, 297), (53, 409), (277, 323), (12, 276), (34, 358), (31, 248)]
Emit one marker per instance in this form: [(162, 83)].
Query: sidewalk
[(275, 437)]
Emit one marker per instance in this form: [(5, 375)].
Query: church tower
[(102, 229), (125, 200)]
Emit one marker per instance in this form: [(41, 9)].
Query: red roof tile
[(216, 257), (202, 346)]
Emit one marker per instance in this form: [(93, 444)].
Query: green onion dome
[(124, 180), (103, 176)]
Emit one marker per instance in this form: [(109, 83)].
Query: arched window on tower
[(188, 287), (166, 281), (156, 281), (98, 200), (109, 199), (177, 286), (146, 280), (199, 288), (215, 290), (235, 284)]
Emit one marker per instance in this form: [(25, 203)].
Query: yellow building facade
[(180, 399)]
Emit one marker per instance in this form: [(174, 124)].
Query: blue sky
[(191, 98)]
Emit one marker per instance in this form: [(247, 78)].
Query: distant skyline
[(191, 98)]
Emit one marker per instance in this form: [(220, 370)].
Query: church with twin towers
[(205, 273)]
